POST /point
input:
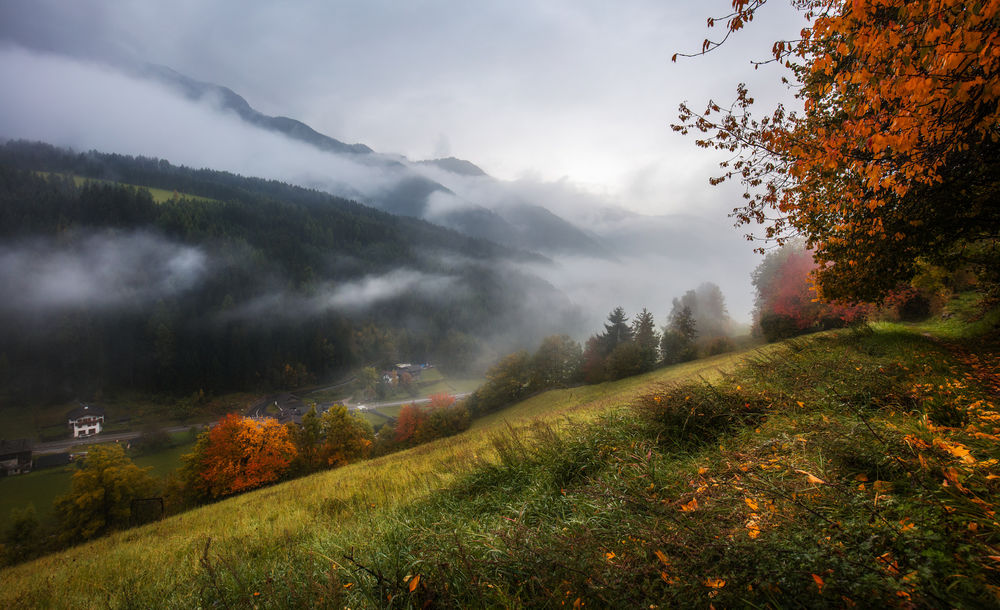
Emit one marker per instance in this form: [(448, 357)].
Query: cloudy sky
[(571, 90), (574, 93)]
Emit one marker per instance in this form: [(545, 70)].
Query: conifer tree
[(616, 330), (647, 339)]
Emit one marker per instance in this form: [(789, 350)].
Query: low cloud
[(347, 297), (85, 105), (102, 271)]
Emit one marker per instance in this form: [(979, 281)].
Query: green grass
[(350, 505), (166, 461), (810, 475), (39, 488), (159, 195)]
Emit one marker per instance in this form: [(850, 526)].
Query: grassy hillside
[(159, 195), (351, 503), (855, 467)]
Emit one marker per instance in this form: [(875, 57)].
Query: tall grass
[(294, 525), (821, 473)]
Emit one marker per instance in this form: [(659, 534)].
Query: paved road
[(61, 446), (396, 403)]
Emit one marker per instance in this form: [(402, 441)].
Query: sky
[(555, 90), (571, 98)]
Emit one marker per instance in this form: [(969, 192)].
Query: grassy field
[(159, 195), (847, 468), (301, 517), (41, 487)]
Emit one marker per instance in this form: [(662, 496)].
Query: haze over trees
[(786, 303), (233, 282)]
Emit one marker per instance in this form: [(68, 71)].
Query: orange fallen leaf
[(690, 506), (609, 555), (812, 478), (663, 558), (819, 581), (751, 503), (715, 583), (414, 582)]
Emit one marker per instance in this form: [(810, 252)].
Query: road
[(63, 445), (396, 403)]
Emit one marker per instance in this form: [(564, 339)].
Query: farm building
[(15, 456), (86, 420)]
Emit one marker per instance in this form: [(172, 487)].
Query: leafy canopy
[(894, 156), (101, 493), (240, 453)]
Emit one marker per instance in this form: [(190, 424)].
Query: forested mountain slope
[(265, 285)]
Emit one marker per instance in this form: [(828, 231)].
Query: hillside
[(230, 283), (850, 467)]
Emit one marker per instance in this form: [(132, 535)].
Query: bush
[(915, 308), (777, 326)]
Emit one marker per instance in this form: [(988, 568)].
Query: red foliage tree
[(412, 418), (441, 401), (786, 296)]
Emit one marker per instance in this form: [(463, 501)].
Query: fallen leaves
[(811, 477)]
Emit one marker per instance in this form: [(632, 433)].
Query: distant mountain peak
[(456, 166), (230, 100)]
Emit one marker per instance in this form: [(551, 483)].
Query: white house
[(86, 420)]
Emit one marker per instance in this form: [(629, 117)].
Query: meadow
[(851, 467), (41, 487), (159, 195), (354, 504)]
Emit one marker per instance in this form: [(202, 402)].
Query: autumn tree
[(346, 438), (507, 381), (410, 421), (20, 538), (240, 453), (592, 367), (786, 305), (894, 158), (101, 493), (624, 361), (308, 438), (446, 416)]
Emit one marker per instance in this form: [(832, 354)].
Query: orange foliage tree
[(895, 156), (240, 453)]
